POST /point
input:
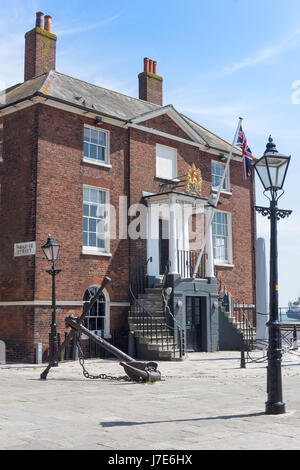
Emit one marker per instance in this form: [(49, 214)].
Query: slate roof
[(73, 91)]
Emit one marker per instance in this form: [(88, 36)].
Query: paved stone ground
[(206, 403)]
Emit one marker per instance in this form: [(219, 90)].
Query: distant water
[(284, 318)]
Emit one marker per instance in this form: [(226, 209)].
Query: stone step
[(159, 334), (154, 311), (153, 290), (157, 318), (148, 299), (166, 335)]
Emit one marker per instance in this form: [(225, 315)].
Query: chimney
[(40, 48), (150, 84)]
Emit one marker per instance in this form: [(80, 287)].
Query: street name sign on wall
[(24, 249)]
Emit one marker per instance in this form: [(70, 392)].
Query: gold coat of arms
[(194, 180)]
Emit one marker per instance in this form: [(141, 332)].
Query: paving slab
[(206, 402)]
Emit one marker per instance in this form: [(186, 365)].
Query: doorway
[(163, 245), (196, 339)]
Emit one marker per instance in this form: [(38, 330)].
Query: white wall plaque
[(24, 249)]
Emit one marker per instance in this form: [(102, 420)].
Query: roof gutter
[(38, 94)]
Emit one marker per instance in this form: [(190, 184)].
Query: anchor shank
[(97, 339)]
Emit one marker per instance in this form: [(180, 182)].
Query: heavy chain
[(87, 375)]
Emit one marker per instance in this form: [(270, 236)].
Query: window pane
[(85, 209), (92, 323), (86, 194), (102, 138), (92, 239), (92, 225), (94, 195), (85, 223), (93, 211), (101, 154), (93, 151), (94, 136), (100, 242), (85, 239), (86, 150), (87, 134)]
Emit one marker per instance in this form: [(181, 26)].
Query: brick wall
[(240, 278), (43, 176), (40, 53), (150, 88), (17, 209)]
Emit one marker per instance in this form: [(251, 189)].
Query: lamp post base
[(275, 408)]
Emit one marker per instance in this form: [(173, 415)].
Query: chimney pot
[(154, 67), (151, 66), (146, 64), (39, 19), (48, 23)]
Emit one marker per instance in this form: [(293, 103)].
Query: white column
[(173, 256), (210, 250)]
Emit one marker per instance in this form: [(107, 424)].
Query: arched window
[(97, 318)]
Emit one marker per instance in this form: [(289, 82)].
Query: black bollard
[(243, 362)]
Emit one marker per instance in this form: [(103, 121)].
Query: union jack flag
[(247, 154)]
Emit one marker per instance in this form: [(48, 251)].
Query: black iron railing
[(138, 280), (187, 261), (166, 337), (245, 316)]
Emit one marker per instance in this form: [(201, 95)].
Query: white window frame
[(93, 161), (226, 188), (157, 172), (90, 250), (228, 261), (107, 312)]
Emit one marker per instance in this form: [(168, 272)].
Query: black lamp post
[(272, 169), (51, 250)]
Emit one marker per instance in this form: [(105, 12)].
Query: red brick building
[(75, 160)]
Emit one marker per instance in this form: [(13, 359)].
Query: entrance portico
[(175, 230)]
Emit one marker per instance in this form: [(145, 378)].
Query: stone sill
[(224, 193), (95, 253), (223, 265), (91, 162)]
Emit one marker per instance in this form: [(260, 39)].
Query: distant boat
[(294, 309)]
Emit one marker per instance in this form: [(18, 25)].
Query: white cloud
[(90, 27), (216, 111), (265, 54)]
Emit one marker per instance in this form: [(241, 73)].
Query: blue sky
[(219, 60)]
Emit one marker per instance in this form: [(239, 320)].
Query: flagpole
[(215, 204)]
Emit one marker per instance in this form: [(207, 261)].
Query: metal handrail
[(153, 328), (164, 297), (186, 260)]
